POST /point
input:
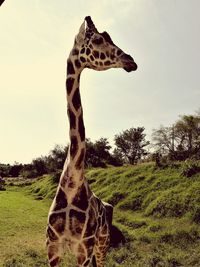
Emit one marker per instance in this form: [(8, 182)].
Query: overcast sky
[(163, 36)]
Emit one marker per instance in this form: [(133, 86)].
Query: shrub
[(56, 177), (190, 168)]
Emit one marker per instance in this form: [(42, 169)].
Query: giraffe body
[(77, 218)]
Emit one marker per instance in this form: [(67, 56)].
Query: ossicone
[(90, 23)]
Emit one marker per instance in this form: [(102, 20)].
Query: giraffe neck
[(72, 176), (75, 112)]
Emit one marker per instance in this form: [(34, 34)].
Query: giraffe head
[(97, 51)]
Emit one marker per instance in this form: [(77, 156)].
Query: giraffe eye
[(98, 41)]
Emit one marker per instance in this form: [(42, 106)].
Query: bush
[(190, 168), (2, 184), (56, 177)]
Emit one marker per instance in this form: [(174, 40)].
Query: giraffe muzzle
[(129, 63), (130, 67)]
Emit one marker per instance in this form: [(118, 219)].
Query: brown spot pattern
[(75, 52), (61, 200), (87, 51), (70, 68), (102, 56), (95, 54), (72, 119), (77, 63), (91, 224), (57, 221), (69, 85), (81, 198), (76, 100), (91, 57), (73, 146), (107, 63), (89, 244), (83, 59), (77, 220), (80, 159), (51, 234), (81, 128)]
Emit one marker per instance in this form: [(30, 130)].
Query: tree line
[(179, 141)]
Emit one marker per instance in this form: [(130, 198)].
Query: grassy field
[(158, 211), (22, 229)]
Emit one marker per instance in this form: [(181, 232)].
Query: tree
[(116, 158), (28, 171), (188, 130), (39, 166), (163, 139), (56, 158), (15, 169), (180, 141), (4, 170), (131, 144), (2, 184), (97, 153)]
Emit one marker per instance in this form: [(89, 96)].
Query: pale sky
[(163, 36)]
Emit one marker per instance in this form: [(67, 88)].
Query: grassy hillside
[(158, 211)]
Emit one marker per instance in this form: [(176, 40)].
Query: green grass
[(158, 210), (22, 230)]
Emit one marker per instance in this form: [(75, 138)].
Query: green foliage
[(2, 184), (56, 158), (180, 141), (131, 144), (116, 158), (28, 171), (48, 164), (190, 168), (4, 170), (15, 170), (97, 153)]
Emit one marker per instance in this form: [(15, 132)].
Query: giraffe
[(77, 218)]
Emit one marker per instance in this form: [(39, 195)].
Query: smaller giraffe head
[(97, 51)]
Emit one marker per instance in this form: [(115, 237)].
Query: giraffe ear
[(81, 35)]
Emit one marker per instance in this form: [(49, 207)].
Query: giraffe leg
[(54, 250), (99, 260), (81, 261), (84, 254), (100, 256)]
